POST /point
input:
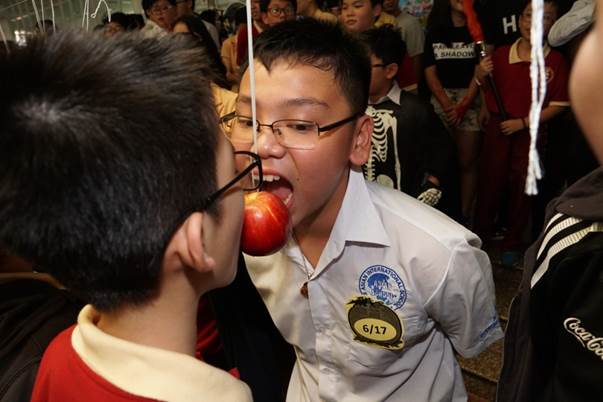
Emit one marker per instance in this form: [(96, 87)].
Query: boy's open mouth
[(280, 187)]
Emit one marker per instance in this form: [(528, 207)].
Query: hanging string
[(54, 25), (251, 74), (97, 8), (4, 40), (43, 17), (33, 2), (538, 80)]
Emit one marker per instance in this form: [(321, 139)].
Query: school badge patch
[(384, 284), (375, 324)]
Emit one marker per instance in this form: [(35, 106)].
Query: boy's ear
[(361, 147), (391, 70), (187, 247)]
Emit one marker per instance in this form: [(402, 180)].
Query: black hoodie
[(32, 313), (554, 338)]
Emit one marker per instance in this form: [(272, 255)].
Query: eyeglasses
[(297, 134), (251, 176), (378, 65), (277, 11), (160, 9)]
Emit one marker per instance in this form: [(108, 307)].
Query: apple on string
[(266, 224)]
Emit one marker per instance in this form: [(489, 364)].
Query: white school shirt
[(421, 265)]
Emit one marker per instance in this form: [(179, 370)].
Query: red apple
[(266, 224)]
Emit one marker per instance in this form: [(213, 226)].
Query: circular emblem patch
[(383, 284), (375, 324)]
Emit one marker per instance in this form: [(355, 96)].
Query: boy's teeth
[(271, 178)]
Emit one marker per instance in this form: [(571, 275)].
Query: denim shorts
[(470, 121)]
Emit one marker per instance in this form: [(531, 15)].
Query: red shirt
[(512, 78), (64, 377)]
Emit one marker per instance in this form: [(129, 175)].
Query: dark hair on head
[(107, 145), (526, 3), (373, 3), (209, 16), (240, 16), (265, 3), (135, 22), (202, 38), (385, 43), (322, 45), (440, 15), (119, 18), (147, 4)]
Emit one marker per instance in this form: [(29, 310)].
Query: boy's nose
[(268, 145)]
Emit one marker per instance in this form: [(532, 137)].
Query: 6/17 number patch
[(374, 323)]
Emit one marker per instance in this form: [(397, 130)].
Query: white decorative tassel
[(538, 81)]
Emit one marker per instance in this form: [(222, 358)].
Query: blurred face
[(163, 14), (255, 10), (183, 7), (390, 6), (312, 182), (456, 6), (586, 86), (358, 15), (525, 20), (112, 28), (224, 241), (278, 11), (381, 78)]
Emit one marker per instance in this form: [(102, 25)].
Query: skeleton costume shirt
[(408, 143)]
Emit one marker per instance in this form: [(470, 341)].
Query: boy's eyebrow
[(291, 102)]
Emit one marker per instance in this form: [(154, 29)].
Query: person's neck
[(167, 323), (374, 98), (310, 10), (524, 49), (312, 234), (458, 19)]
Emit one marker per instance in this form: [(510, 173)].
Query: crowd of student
[(122, 200)]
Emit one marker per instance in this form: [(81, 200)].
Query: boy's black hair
[(147, 4), (385, 43), (119, 18), (106, 145), (373, 2), (265, 3), (440, 15), (323, 45), (526, 3)]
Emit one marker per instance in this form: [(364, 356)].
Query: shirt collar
[(514, 52), (151, 372), (393, 95), (357, 221)]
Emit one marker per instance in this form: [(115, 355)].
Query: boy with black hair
[(505, 150), (374, 288), (360, 15), (137, 218), (276, 11), (411, 150), (160, 17)]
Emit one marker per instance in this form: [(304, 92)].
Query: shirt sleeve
[(412, 35), (558, 87), (464, 302), (428, 55)]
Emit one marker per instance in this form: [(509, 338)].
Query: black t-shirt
[(452, 51)]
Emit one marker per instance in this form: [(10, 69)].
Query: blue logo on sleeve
[(384, 284)]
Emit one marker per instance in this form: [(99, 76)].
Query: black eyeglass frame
[(232, 115), (257, 162)]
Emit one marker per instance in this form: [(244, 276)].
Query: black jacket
[(554, 338), (32, 313)]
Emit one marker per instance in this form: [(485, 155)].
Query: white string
[(251, 74), (93, 15), (4, 40), (37, 14), (538, 80), (84, 15), (43, 17), (54, 25)]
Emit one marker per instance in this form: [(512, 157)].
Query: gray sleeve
[(572, 23)]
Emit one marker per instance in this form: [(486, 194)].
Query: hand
[(484, 68), (451, 113), (511, 126), (461, 109), (430, 196)]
